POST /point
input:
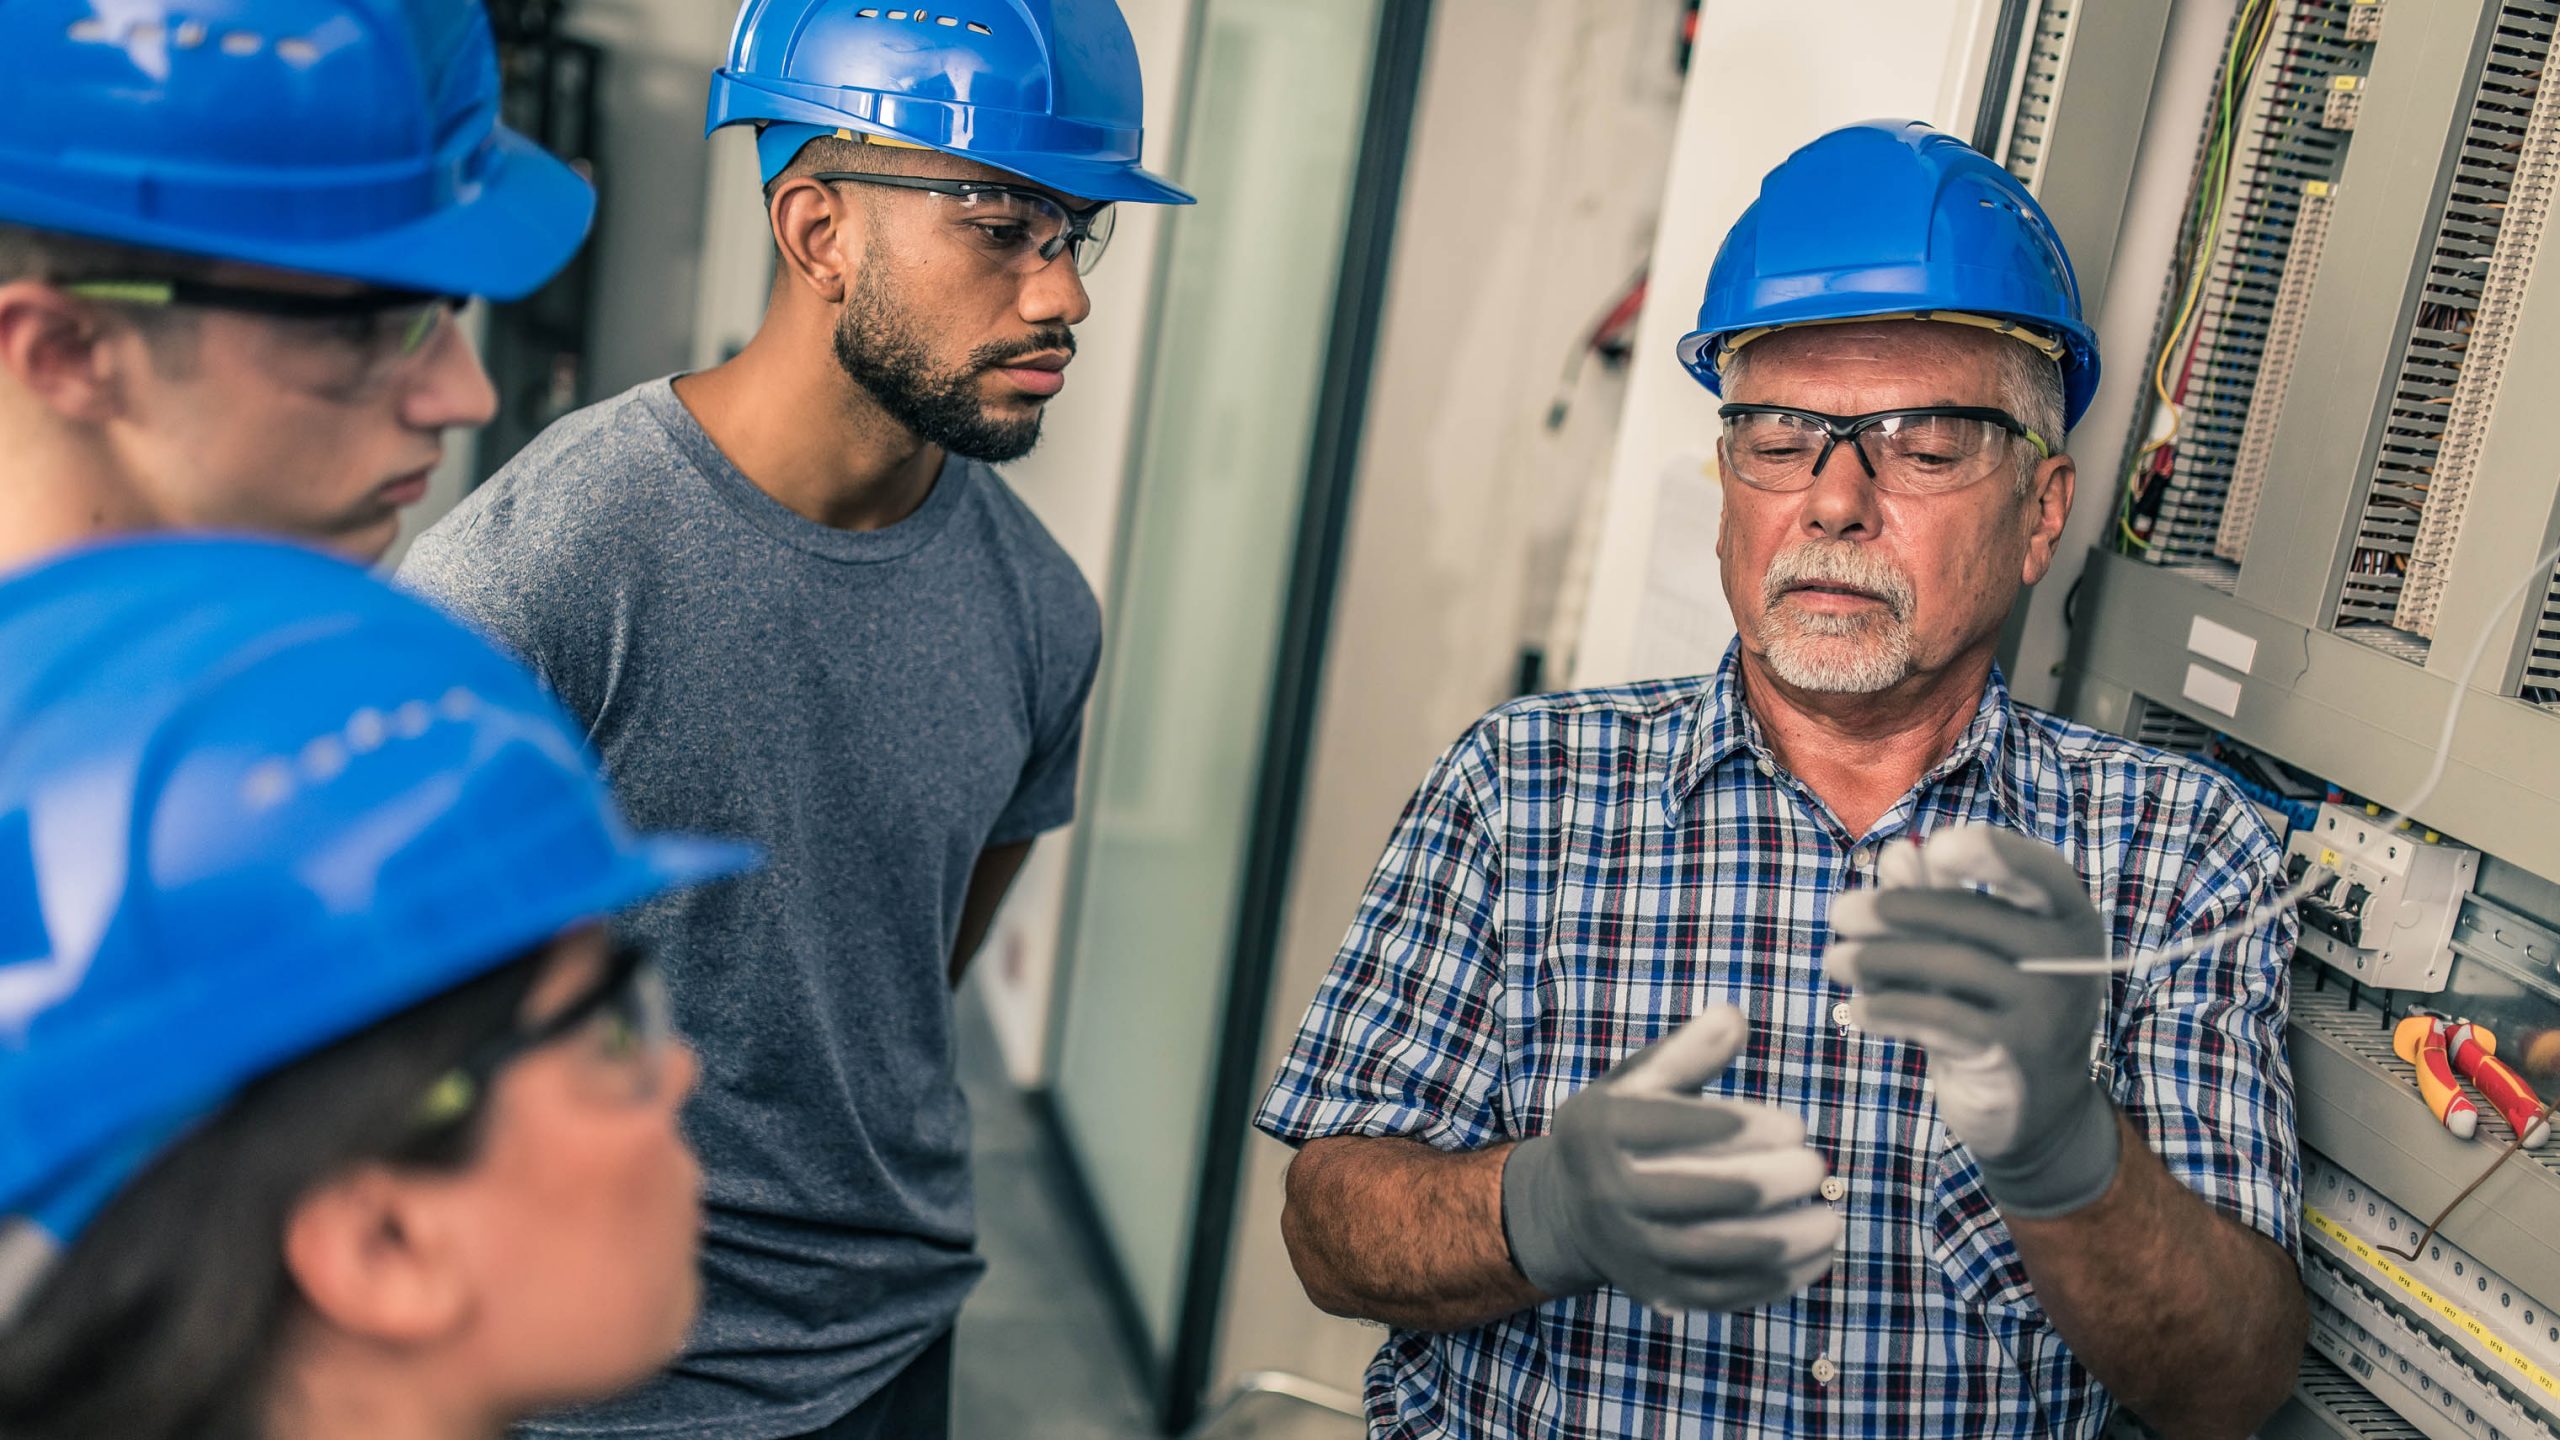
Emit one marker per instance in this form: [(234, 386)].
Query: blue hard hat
[(1046, 89), (253, 800), (357, 139), (1892, 218)]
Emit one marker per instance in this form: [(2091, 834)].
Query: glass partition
[(1273, 137)]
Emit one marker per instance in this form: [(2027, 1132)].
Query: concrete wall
[(1530, 196)]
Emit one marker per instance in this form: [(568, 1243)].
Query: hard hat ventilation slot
[(242, 42), (188, 35), (922, 16)]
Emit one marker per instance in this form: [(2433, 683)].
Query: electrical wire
[(2312, 879), (2505, 1155), (2250, 34)]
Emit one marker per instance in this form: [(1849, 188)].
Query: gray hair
[(2030, 388)]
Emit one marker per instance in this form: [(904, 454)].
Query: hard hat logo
[(1047, 91), (1940, 233), (30, 978)]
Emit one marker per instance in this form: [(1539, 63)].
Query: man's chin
[(1827, 665)]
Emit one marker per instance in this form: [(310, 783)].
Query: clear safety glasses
[(1925, 450), (1017, 230), (334, 343), (622, 1027)]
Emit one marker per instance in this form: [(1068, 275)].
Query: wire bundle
[(2207, 213)]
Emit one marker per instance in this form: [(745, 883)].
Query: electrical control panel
[(2384, 910), (2318, 572)]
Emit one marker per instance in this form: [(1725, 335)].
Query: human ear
[(814, 228), (54, 348), (2048, 504), (373, 1257)]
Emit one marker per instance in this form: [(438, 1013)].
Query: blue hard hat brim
[(1090, 180), (72, 1194), (525, 223)]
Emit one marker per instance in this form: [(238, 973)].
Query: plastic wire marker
[(2533, 1375)]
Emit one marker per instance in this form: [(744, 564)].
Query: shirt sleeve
[(1404, 1037), (471, 567), (1045, 797), (2202, 1068)]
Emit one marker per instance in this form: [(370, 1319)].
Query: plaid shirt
[(1581, 872)]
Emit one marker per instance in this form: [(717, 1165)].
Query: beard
[(881, 346), (1854, 654)]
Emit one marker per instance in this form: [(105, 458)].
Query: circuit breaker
[(2384, 912)]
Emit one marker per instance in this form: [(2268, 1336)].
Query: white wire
[(2313, 878)]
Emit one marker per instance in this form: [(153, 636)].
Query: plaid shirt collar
[(1727, 732)]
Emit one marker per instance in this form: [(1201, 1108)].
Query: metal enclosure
[(2334, 494)]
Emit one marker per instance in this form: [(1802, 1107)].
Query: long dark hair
[(166, 1319)]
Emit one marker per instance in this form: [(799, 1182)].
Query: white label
[(2222, 645), (2213, 690)]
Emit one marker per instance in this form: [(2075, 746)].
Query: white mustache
[(1839, 563)]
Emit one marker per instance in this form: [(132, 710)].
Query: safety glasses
[(1017, 230), (1922, 450), (622, 1025), (338, 344)]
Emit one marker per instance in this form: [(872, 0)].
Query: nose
[(1841, 503), (450, 388), (1054, 294)]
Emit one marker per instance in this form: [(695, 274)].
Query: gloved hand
[(1684, 1202), (1936, 963)]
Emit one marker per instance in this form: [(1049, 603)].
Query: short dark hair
[(54, 258), (834, 152), (166, 1319), (51, 258)]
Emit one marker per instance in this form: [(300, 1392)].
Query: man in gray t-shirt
[(793, 604)]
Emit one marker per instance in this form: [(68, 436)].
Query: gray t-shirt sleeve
[(1046, 798), (484, 575)]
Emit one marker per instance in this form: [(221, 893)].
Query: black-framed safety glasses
[(1018, 229), (403, 321), (1918, 450), (624, 1018)]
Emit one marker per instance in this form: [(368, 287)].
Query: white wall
[(650, 180), (1074, 482), (1770, 76), (1531, 193)]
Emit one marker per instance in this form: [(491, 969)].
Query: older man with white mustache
[(1665, 1085)]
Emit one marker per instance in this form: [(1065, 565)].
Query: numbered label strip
[(2520, 1366)]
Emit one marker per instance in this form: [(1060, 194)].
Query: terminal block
[(2384, 907)]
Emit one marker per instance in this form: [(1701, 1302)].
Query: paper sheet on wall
[(1682, 621)]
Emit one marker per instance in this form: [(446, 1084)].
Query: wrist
[(2068, 1168), (1533, 1227)]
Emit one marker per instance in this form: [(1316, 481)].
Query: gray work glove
[(1681, 1201), (1935, 962)]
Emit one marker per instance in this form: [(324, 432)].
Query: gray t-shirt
[(876, 708)]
